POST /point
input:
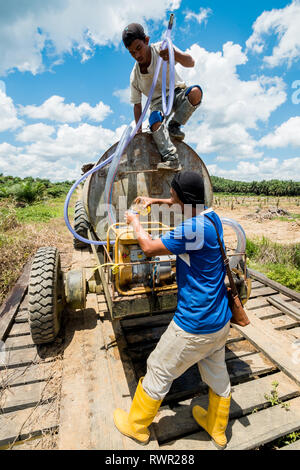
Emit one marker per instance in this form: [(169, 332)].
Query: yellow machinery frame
[(120, 230)]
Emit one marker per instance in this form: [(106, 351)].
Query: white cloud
[(266, 169), (233, 141), (200, 17), (55, 109), (35, 132), (123, 95), (284, 23), (57, 155), (7, 150), (84, 142), (288, 133), (30, 29), (8, 113), (56, 152), (231, 107)]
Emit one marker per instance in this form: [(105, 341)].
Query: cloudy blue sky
[(64, 82)]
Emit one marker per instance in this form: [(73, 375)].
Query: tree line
[(29, 189), (267, 188)]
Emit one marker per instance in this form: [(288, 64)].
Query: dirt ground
[(245, 212)]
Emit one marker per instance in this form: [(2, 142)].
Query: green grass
[(292, 218), (23, 230), (278, 262), (42, 211)]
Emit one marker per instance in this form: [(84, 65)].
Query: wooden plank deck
[(103, 360), (29, 376)]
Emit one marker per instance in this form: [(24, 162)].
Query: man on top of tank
[(186, 98)]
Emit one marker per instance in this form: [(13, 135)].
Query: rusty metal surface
[(75, 288), (134, 178)]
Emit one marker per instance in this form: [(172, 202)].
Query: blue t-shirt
[(202, 302)]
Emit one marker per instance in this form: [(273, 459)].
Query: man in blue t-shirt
[(200, 327)]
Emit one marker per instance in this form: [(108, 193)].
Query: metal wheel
[(46, 295)]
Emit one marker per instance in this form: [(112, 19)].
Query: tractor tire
[(81, 224), (46, 295)]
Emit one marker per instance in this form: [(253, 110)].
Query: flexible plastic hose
[(126, 139), (166, 109), (241, 240)]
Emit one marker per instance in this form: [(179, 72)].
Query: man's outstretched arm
[(137, 111), (184, 59), (150, 247)]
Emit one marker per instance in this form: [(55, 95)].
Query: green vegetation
[(274, 399), (29, 190), (279, 262), (289, 439), (41, 212), (26, 207), (267, 188)]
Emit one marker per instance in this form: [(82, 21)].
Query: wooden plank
[(247, 432), (19, 342), (257, 302), (286, 325), (234, 336), (278, 322), (87, 396), (21, 317), (266, 313), (285, 308), (9, 309), (238, 349), (248, 366), (293, 332), (275, 285), (83, 258), (19, 329), (25, 374), (22, 357), (263, 291), (256, 284), (273, 344), (24, 396), (172, 423), (24, 424)]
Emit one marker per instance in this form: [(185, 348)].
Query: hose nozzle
[(171, 20)]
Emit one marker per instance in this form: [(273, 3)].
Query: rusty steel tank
[(137, 176), (127, 289), (133, 284)]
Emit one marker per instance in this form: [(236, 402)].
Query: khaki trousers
[(178, 350)]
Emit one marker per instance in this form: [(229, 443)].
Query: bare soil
[(277, 230)]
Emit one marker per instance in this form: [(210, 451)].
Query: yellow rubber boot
[(142, 412), (215, 419)]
